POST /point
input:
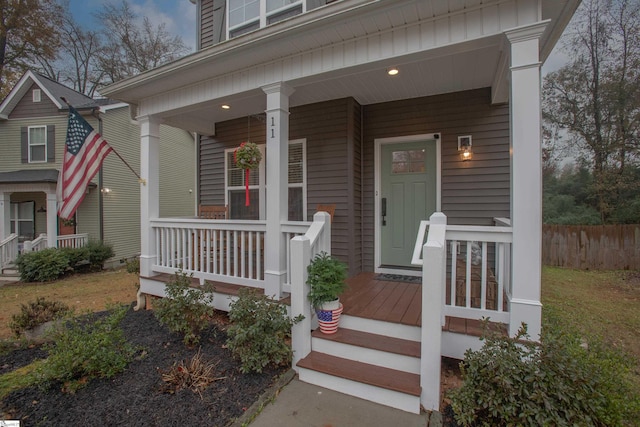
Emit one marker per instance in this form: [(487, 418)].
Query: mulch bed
[(137, 397)]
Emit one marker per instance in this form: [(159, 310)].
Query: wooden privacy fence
[(592, 247)]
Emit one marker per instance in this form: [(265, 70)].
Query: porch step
[(379, 350), (10, 274), (385, 386)]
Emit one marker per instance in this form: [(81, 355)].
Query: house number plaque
[(272, 128)]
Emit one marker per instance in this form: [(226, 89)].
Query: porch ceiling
[(343, 50)]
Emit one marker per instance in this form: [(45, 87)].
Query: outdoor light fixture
[(464, 146), (106, 190), (42, 209), (393, 71), (225, 107)]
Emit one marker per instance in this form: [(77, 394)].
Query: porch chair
[(213, 212), (330, 209)]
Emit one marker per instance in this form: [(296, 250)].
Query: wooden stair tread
[(390, 379), (372, 341)]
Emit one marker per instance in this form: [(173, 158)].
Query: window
[(37, 144), (36, 95), (409, 161), (245, 15), (235, 185), (243, 11), (22, 220)]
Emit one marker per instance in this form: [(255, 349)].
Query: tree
[(596, 98), (28, 30), (130, 47), (76, 61)]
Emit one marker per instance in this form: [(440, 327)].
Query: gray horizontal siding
[(474, 192)]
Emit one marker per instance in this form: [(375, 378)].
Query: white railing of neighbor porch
[(8, 250), (73, 240), (35, 245), (303, 249), (218, 250)]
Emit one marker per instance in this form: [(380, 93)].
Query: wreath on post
[(247, 157)]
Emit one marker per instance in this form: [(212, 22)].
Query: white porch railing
[(478, 270), (219, 250), (73, 240), (8, 250), (35, 245), (303, 249)]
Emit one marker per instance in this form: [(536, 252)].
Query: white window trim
[(36, 95), (29, 144), (262, 18), (262, 178), (15, 218)]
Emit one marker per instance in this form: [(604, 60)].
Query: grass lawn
[(83, 292), (601, 303)]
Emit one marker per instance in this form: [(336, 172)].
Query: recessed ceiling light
[(393, 71), (225, 107)]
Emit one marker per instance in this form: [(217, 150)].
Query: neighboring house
[(453, 135), (33, 126)]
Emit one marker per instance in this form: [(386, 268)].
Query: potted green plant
[(326, 279)]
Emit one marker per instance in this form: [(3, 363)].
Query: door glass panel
[(407, 161)]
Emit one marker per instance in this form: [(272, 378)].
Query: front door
[(408, 184)]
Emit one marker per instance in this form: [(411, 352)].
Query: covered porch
[(459, 66)]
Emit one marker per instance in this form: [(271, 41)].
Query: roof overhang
[(343, 50)]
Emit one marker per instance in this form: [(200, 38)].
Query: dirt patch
[(136, 396)]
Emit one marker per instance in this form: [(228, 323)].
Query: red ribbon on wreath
[(247, 167)]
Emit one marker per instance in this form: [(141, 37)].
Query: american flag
[(84, 152), (329, 319)]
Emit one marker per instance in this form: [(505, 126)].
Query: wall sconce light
[(464, 146), (42, 209), (106, 190)]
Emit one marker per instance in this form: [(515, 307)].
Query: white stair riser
[(382, 396), (367, 355), (4, 278), (378, 327)]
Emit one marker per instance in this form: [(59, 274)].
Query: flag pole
[(140, 179)]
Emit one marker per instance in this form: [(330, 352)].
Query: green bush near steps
[(561, 381), (260, 330)]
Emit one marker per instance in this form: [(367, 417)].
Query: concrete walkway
[(304, 405)]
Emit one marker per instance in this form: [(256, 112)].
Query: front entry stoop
[(378, 368)]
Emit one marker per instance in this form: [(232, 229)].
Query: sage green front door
[(408, 195)]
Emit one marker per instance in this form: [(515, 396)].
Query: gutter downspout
[(96, 114)]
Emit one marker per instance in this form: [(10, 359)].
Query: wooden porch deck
[(389, 301), (399, 302)]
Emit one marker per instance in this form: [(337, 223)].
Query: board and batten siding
[(333, 152), (26, 108), (473, 192)]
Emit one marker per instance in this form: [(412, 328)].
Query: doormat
[(398, 278)]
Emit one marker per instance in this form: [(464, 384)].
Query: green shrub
[(86, 350), (77, 256), (36, 313), (132, 265), (42, 266), (259, 331), (98, 253), (512, 381), (184, 309)]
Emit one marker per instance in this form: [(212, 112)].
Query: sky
[(178, 15)]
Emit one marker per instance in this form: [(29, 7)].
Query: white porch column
[(275, 262), (526, 178), (52, 220), (150, 191), (5, 215)]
